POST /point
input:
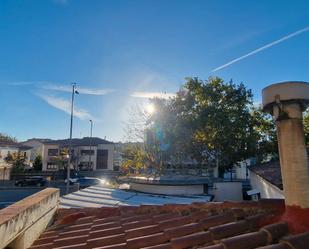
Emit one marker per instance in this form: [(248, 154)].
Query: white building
[(87, 154), (36, 145), (7, 148), (266, 181)]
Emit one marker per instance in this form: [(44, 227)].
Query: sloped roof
[(227, 225), (14, 144), (85, 141), (270, 171)]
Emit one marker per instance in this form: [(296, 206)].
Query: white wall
[(168, 189), (227, 191), (267, 190)]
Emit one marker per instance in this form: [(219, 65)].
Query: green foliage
[(212, 121), (17, 160), (7, 138), (37, 165)]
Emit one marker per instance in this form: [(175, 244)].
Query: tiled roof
[(85, 141), (227, 225), (269, 171)]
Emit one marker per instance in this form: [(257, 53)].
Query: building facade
[(88, 154), (7, 148)]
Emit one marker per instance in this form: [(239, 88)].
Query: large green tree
[(211, 122)]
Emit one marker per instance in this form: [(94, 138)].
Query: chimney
[(286, 101)]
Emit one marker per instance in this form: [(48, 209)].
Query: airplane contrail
[(262, 48)]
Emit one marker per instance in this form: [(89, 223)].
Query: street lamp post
[(74, 91), (89, 164)]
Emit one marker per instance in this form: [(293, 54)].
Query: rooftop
[(270, 171), (228, 225), (85, 141)]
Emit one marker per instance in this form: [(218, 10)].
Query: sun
[(150, 108)]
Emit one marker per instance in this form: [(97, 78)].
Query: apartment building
[(10, 147), (87, 154)]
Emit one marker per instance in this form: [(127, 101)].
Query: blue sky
[(116, 50)]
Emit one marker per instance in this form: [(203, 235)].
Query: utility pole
[(89, 164), (74, 91)]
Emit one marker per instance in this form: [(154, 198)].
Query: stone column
[(293, 154)]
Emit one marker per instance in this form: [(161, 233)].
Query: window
[(52, 166), (87, 152), (52, 152), (102, 156)]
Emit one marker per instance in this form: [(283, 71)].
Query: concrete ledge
[(24, 221)]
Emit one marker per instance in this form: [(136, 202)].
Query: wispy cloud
[(262, 48), (150, 95), (65, 106), (89, 91)]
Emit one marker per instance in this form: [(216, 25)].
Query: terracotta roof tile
[(105, 232), (142, 231), (227, 225), (70, 240), (161, 246), (186, 229), (76, 246), (149, 240), (276, 231), (196, 239), (106, 241), (229, 229), (246, 241), (299, 241), (177, 221), (276, 246)]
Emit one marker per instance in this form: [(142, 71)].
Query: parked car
[(31, 181)]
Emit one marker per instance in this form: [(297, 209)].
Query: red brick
[(149, 240), (196, 239), (246, 241)]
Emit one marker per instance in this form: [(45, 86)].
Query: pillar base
[(297, 218)]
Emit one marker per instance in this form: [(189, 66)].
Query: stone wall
[(24, 221)]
